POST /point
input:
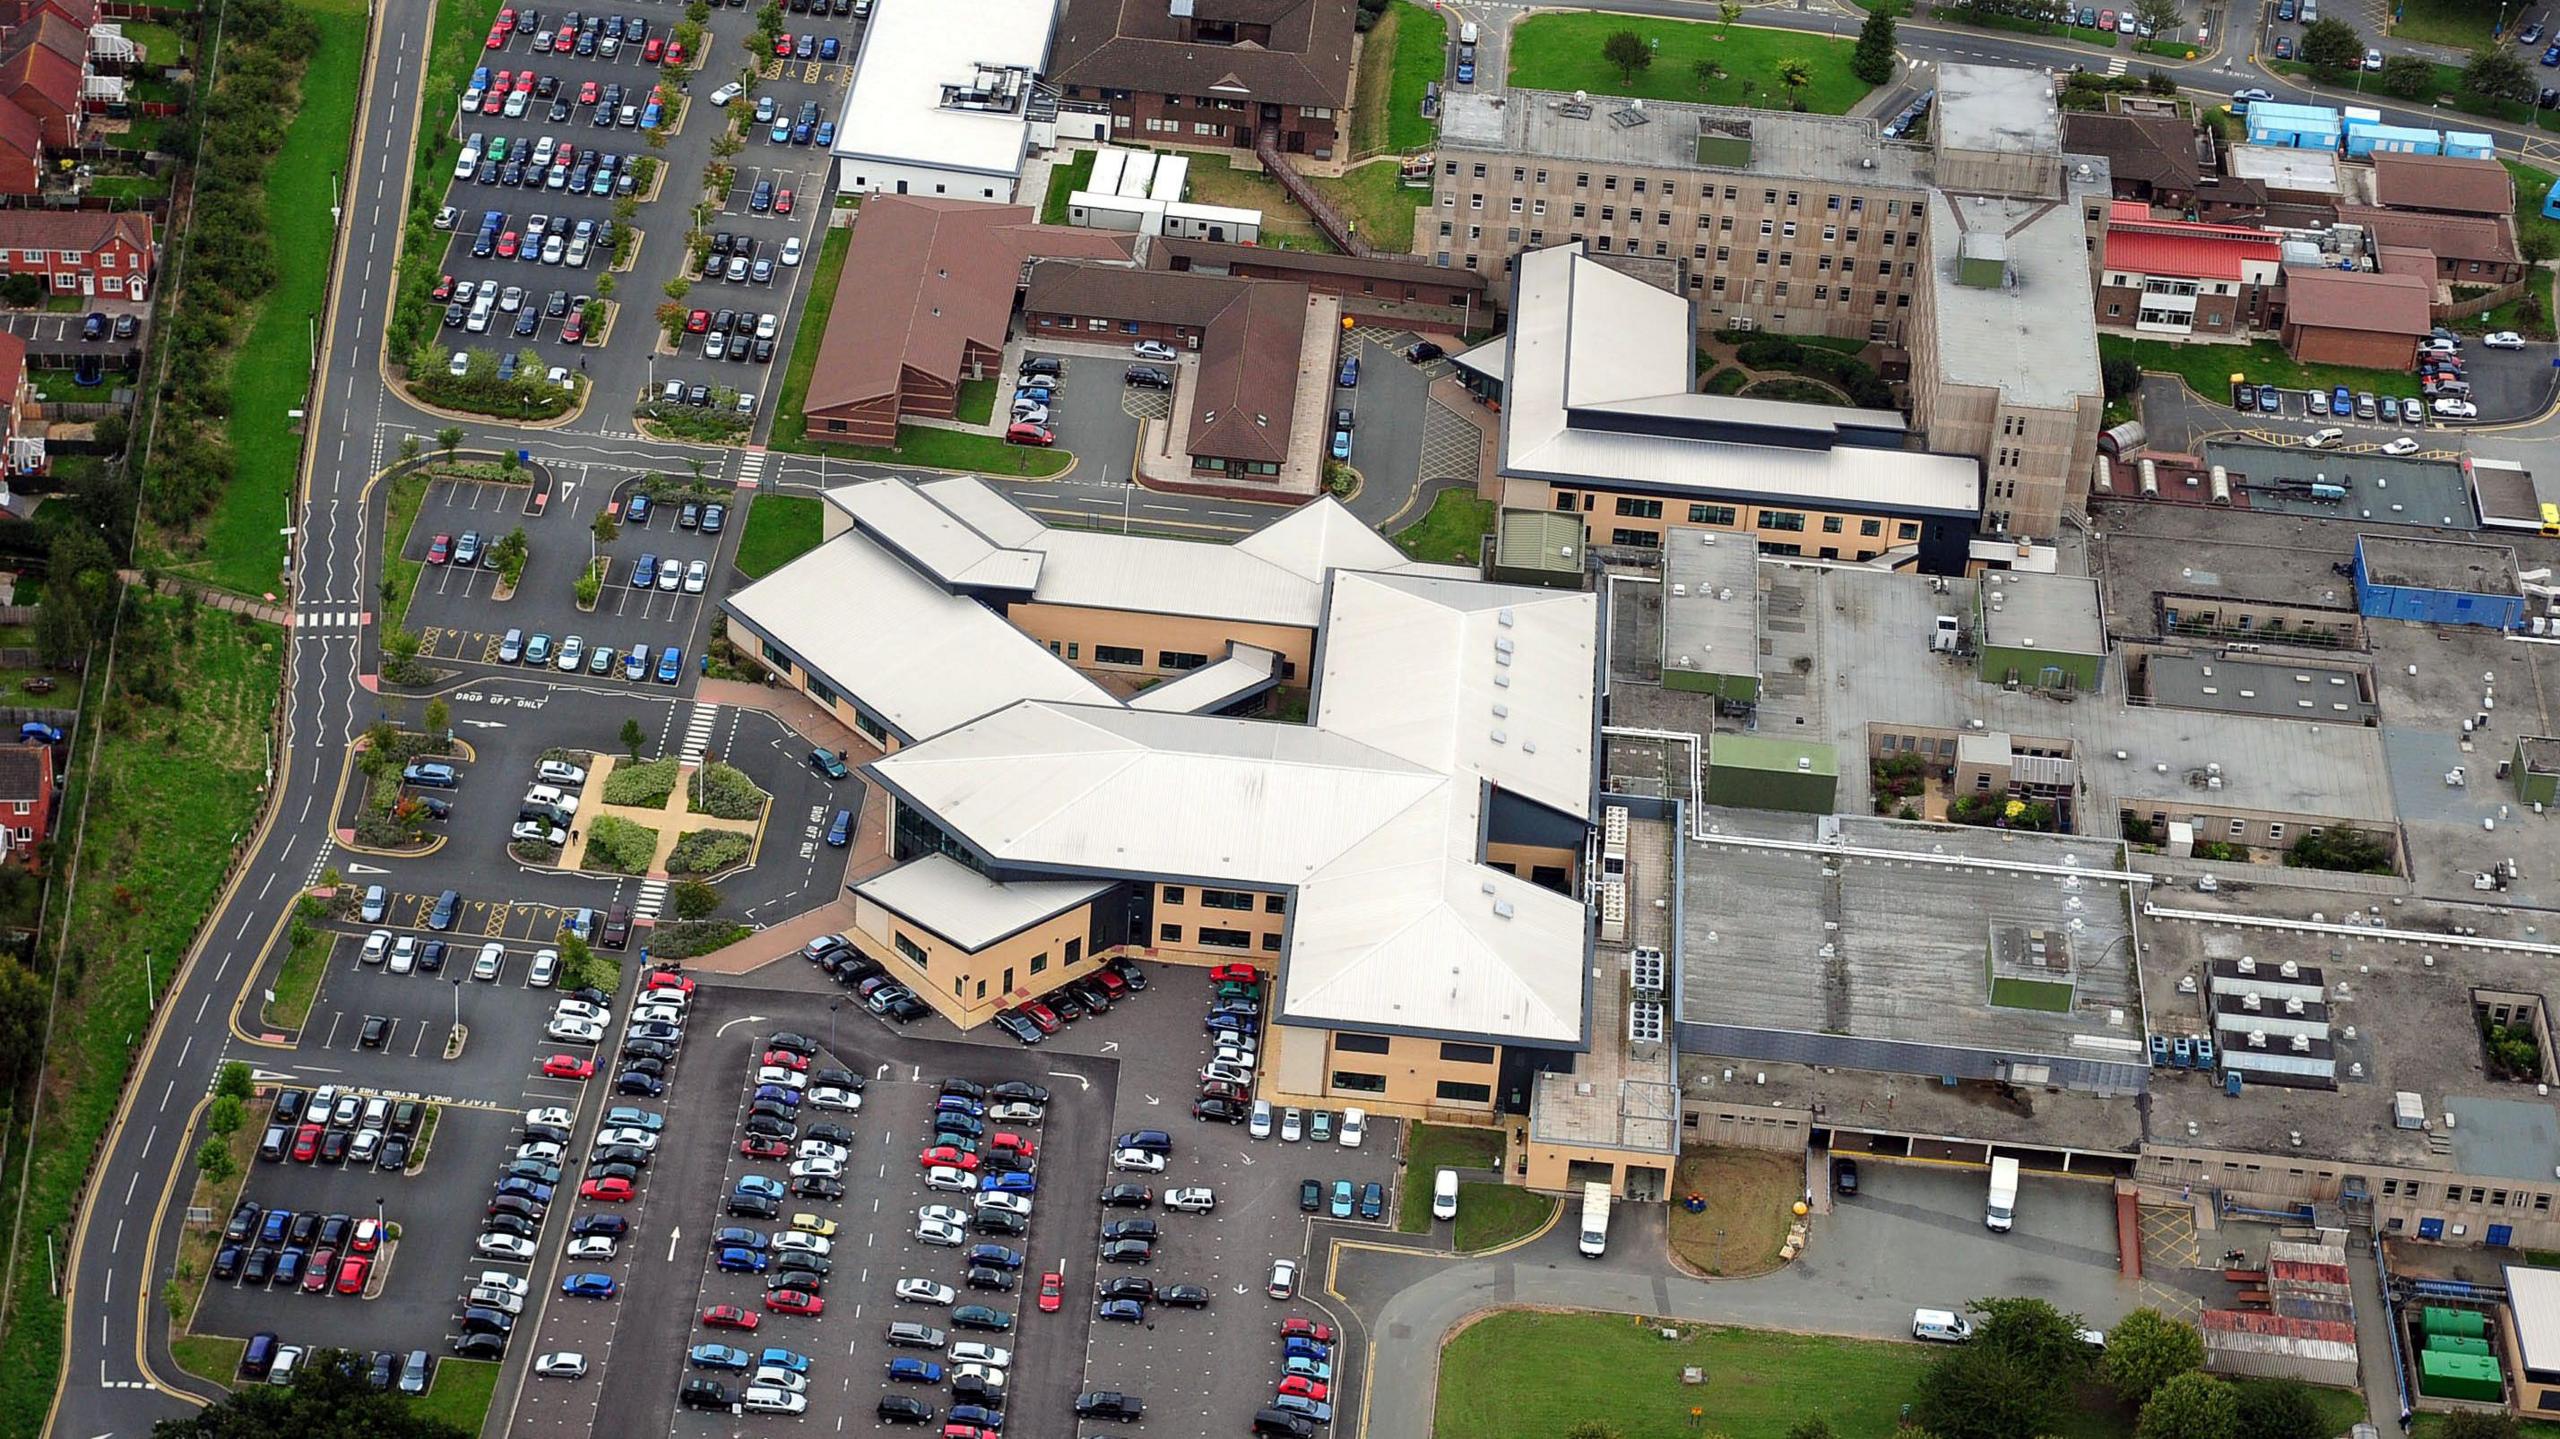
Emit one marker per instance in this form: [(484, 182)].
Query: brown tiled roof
[(82, 13), (2358, 300), (26, 65), (2453, 237), (1139, 45), (1247, 385), (2159, 150), (925, 277), (2445, 183), (1401, 268), (22, 772), (54, 33), (82, 230), (19, 132), (2409, 260)]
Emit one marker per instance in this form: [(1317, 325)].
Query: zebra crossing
[(653, 897), (329, 619), (697, 732), (2117, 65), (751, 468)]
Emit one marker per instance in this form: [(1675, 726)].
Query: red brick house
[(44, 72), (14, 13), (1210, 72), (21, 152), (93, 253), (21, 453), (26, 800)]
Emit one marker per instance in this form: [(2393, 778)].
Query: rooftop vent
[(1982, 261)]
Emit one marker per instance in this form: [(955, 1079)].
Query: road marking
[(698, 731), (653, 896)]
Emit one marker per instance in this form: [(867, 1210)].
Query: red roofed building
[(21, 152), (21, 436), (2174, 277), (2355, 317), (80, 252), (37, 77), (26, 801)]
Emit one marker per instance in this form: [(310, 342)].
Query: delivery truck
[(2002, 1210), (1595, 1220)]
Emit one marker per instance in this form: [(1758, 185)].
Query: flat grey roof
[(2381, 489), (1890, 1102), (1715, 626), (2046, 612), (2541, 756), (1784, 146), (2455, 565), (2154, 549), (2244, 684), (2035, 337), (1997, 107)]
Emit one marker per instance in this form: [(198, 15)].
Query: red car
[(697, 322), (506, 20), (1053, 1291), (785, 1059), (524, 81), (782, 45), (497, 37), (794, 1301), (443, 289), (495, 101), (675, 52), (368, 1237), (588, 92), (306, 1143), (757, 1146), (1306, 1329), (1042, 1017), (1022, 433), (616, 1190), (947, 1155), (1236, 973), (566, 41), (730, 1316), (1304, 1387), (508, 242), (352, 1272), (315, 1275), (439, 549), (568, 1066), (1014, 1142), (653, 53), (1109, 983), (669, 979), (782, 203)]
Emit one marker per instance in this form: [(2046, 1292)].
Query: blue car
[(1008, 1184), (959, 1104), (651, 114), (741, 1261), (763, 1185), (644, 575), (1342, 444), (1296, 1347), (38, 732), (1315, 1369), (718, 1356), (738, 1236), (2270, 401), (1350, 376), (1466, 72), (780, 134), (2551, 56), (637, 512), (1342, 1199), (828, 48), (985, 1418), (670, 665), (588, 1286), (996, 1255), (784, 1359), (784, 1095), (635, 665), (826, 130), (840, 829), (915, 1371), (2342, 401), (800, 131), (278, 1221)]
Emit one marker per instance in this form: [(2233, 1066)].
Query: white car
[(1284, 1279), (834, 1100), (489, 1296), (791, 251), (697, 577), (493, 957), (546, 969), (636, 1138), (1225, 1074), (946, 1236), (575, 1031), (805, 1243), (776, 1074), (941, 1214), (581, 1009), (591, 1246), (540, 833), (2454, 409), (1017, 1111), (816, 1169), (976, 1352), (916, 1290), (539, 1152), (460, 364), (2503, 340), (821, 1149), (1235, 1055), (658, 1014), (551, 1115), (1258, 1124), (503, 1246), (1194, 1200), (1138, 1161), (1355, 1124), (377, 946), (559, 771), (727, 93), (1016, 1204), (774, 1376), (943, 1176), (2401, 446), (553, 797), (515, 1284), (2329, 436), (986, 1374), (1152, 350), (567, 1364)]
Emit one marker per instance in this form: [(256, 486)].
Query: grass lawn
[(2431, 1426), (408, 493), (1453, 533), (2208, 368), (272, 375), (790, 425), (1562, 52), (297, 981), (2509, 316), (208, 1356), (131, 189), (976, 402), (1376, 202), (170, 792), (2531, 186), (461, 1393), (1215, 181), (1523, 1375), (1064, 180), (2457, 23), (1491, 1214), (1431, 1147), (1406, 50), (780, 529), (161, 44), (1749, 1193)]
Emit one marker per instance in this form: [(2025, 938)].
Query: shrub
[(707, 851), (724, 792), (645, 786), (618, 846), (695, 899), (686, 938), (2340, 848)]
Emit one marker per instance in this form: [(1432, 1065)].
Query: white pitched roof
[(956, 553), (968, 908)]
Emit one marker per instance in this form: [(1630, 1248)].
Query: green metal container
[(2460, 1376), (2468, 1323)]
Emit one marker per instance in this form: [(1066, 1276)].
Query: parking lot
[(1091, 408)]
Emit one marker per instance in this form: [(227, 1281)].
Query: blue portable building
[(2364, 139), (2295, 127), (2470, 145), (2438, 582)]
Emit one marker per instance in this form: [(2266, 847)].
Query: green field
[(209, 1356), (2531, 186), (170, 792), (461, 1393), (1491, 1214), (1453, 532), (1406, 50), (408, 491), (1374, 199), (1562, 52), (2208, 368), (1064, 180), (297, 981), (2463, 24), (975, 404), (827, 270), (244, 550), (1427, 1148), (780, 529)]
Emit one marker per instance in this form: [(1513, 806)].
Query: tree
[(449, 439), (326, 1397), (2279, 1409), (233, 1082), (2494, 73), (2161, 15), (22, 1004), (1977, 1392), (1795, 74), (225, 1115), (439, 716), (1707, 71), (2411, 77), (1873, 59), (2535, 245), (695, 899), (2331, 47), (409, 448), (403, 644), (633, 736), (2147, 1349), (1626, 51), (214, 1162), (2120, 375), (2479, 1424), (2037, 1335), (2190, 1406), (1812, 1426), (1728, 11)]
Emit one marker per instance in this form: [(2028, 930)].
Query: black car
[(431, 956), (999, 1221), (831, 1133), (805, 1283), (395, 1153), (614, 1170), (1226, 1111), (244, 1222), (753, 1206), (840, 1078), (1129, 1286), (1015, 1091), (304, 1228), (799, 1044), (1130, 1229), (516, 1225), (1310, 1195), (289, 1105), (1423, 352), (794, 1261), (1148, 377), (261, 1264), (333, 1146), (1128, 1251), (899, 1409), (334, 1231), (973, 1389), (1108, 1404), (700, 1393), (979, 1316), (545, 1134), (816, 1187), (612, 1226), (1186, 1296), (1017, 1026), (226, 1263), (1133, 1196), (631, 1154), (480, 1346), (983, 1276), (1844, 1177), (1373, 1201)]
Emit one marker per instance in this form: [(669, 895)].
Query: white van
[(1444, 1194), (1943, 1325), (763, 1400), (1466, 32)]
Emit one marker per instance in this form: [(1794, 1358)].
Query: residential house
[(1210, 72), (21, 152), (2171, 277), (2442, 184), (2470, 250), (82, 14), (44, 72), (95, 253), (26, 801), (2355, 317), (2157, 159)]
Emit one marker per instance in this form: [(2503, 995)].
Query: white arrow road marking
[(365, 869), (1081, 1082), (1111, 1046), (672, 1236), (741, 1019)]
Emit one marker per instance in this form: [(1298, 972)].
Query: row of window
[(1210, 937), (1451, 1090), (1726, 516), (1707, 192), (1451, 1051), (106, 259), (1237, 899)]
